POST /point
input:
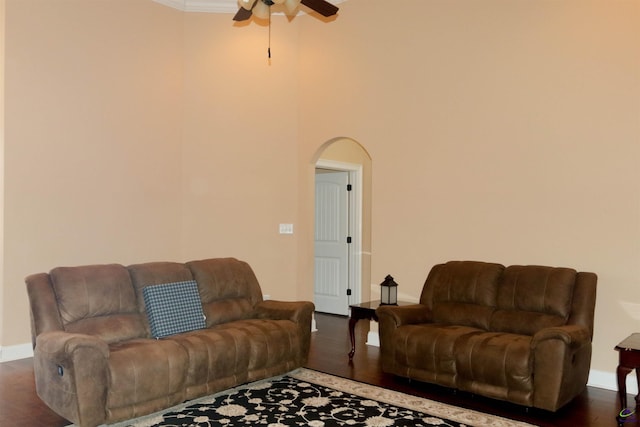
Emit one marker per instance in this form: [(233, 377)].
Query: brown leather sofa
[(520, 333), (96, 362)]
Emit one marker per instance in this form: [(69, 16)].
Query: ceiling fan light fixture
[(291, 5), (246, 4), (261, 10)]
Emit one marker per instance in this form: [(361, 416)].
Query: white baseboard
[(373, 339), (15, 352), (609, 381)]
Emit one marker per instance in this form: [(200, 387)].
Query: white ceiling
[(211, 6)]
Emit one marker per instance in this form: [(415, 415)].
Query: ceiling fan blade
[(323, 7), (242, 14)]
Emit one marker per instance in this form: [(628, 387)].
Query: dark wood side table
[(629, 359), (365, 310)]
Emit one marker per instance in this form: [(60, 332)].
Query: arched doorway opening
[(342, 226)]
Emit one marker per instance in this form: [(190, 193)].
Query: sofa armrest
[(562, 359), (390, 318), (71, 374), (573, 336), (404, 315), (65, 343), (298, 312)]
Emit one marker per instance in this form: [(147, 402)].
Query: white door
[(331, 248)]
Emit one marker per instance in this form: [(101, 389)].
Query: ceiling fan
[(261, 8)]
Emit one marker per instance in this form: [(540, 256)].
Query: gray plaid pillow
[(173, 308)]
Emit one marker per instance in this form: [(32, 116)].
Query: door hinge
[(349, 187), (348, 292), (349, 239)]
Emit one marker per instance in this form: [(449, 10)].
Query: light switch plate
[(286, 228)]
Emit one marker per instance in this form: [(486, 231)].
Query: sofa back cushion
[(98, 300), (228, 288), (155, 273), (462, 292), (533, 297)]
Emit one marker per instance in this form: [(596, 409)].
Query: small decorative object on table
[(628, 360), (388, 291)]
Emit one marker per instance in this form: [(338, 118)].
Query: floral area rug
[(309, 398)]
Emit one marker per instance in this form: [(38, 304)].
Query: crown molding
[(210, 6)]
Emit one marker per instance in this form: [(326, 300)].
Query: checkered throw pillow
[(173, 308)]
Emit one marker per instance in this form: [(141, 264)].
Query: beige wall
[(240, 146), (498, 130), (92, 139)]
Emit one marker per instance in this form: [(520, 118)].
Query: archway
[(343, 158)]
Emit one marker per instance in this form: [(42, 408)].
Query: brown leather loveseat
[(96, 360), (520, 333)]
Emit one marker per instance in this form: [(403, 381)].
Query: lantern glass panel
[(393, 295), (384, 294)]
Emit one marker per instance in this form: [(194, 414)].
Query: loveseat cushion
[(498, 365), (98, 300), (531, 298), (429, 350), (462, 292)]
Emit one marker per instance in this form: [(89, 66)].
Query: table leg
[(622, 373), (352, 327), (637, 395)]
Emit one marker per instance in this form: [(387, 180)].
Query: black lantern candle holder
[(388, 291)]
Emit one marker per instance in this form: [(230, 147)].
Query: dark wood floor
[(20, 407)]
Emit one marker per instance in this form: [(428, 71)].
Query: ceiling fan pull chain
[(269, 47)]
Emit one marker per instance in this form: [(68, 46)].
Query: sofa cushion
[(462, 292), (228, 289), (531, 298), (144, 376), (98, 300), (239, 351), (173, 308), (156, 273)]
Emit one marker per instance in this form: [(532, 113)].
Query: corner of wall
[(2, 62)]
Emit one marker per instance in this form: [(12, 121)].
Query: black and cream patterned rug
[(309, 398)]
